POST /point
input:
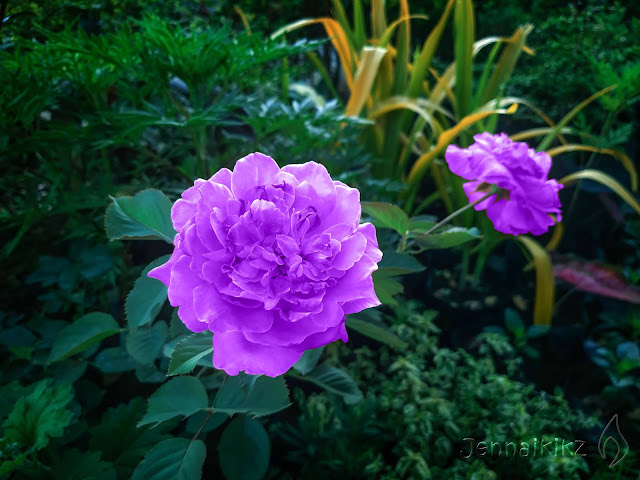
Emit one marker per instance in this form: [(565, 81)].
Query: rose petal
[(254, 170), (233, 353)]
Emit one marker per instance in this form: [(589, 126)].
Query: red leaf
[(595, 277)]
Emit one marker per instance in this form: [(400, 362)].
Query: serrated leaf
[(173, 459), (114, 360), (336, 381), (387, 215), (39, 416), (452, 237), (386, 287), (147, 215), (145, 344), (244, 450), (189, 351), (82, 334), (309, 360), (176, 327), (256, 395), (147, 296), (180, 396), (376, 332), (394, 263)]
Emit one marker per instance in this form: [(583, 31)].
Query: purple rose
[(270, 260), (526, 199)]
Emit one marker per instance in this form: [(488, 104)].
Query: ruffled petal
[(254, 170), (181, 287), (351, 250), (330, 335), (233, 353)]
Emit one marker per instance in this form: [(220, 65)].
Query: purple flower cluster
[(270, 260), (526, 197)]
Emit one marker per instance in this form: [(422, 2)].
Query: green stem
[(447, 219)]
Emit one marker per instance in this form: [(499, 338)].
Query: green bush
[(419, 405)]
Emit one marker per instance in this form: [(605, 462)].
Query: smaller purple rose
[(270, 260), (526, 199)]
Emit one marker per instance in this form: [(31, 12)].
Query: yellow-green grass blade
[(340, 15), (243, 18), (534, 109), (446, 137), (546, 141), (412, 104), (366, 74), (464, 34), (386, 36), (484, 78), (617, 154), (378, 18), (359, 29), (486, 41), (556, 237), (338, 40), (545, 287), (507, 62), (444, 86), (606, 180), (422, 64), (394, 120), (539, 132)]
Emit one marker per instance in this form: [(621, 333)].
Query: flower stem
[(447, 219)]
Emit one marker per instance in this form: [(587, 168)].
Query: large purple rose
[(270, 260), (527, 197)]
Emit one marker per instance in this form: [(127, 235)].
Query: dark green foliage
[(419, 405), (108, 98)]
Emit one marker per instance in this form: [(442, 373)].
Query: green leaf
[(336, 381), (147, 215), (177, 327), (376, 332), (253, 395), (85, 332), (195, 421), (173, 459), (449, 238), (309, 360), (189, 351), (244, 450), (421, 224), (514, 323), (145, 344), (394, 263), (387, 215), (386, 287), (180, 396), (147, 296), (119, 439), (39, 416), (114, 360)]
